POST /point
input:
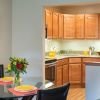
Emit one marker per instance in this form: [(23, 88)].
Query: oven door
[(50, 74)]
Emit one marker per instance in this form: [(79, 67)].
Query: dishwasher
[(50, 65)]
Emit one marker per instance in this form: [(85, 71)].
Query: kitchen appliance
[(50, 65)]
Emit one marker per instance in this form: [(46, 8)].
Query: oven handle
[(51, 64)]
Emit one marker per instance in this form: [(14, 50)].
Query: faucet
[(91, 50)]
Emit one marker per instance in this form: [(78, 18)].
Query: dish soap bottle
[(52, 53)]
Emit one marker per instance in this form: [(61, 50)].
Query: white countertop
[(61, 56)]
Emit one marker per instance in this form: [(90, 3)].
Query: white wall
[(5, 31), (27, 34), (67, 2)]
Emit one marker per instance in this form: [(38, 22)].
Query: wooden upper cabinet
[(48, 23), (79, 26), (69, 26), (61, 26), (55, 25), (91, 26)]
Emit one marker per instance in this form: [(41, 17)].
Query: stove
[(50, 65)]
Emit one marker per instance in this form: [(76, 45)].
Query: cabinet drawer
[(59, 62), (62, 61), (74, 60), (65, 61), (91, 59)]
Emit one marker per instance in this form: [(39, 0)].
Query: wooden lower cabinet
[(72, 70), (65, 74), (59, 75), (75, 73), (68, 72)]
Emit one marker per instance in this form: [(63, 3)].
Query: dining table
[(5, 94)]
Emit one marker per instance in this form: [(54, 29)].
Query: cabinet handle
[(45, 31)]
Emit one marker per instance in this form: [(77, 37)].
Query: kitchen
[(20, 18), (72, 36)]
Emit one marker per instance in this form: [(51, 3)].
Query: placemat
[(5, 83), (17, 93)]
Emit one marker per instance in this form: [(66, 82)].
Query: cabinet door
[(61, 26), (59, 75), (65, 74), (69, 26), (80, 26), (91, 26), (75, 73), (55, 25), (48, 22)]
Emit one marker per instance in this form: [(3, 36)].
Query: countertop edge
[(77, 57), (92, 63)]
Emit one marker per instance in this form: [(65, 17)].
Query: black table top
[(5, 94)]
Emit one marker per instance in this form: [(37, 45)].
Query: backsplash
[(52, 45), (72, 45)]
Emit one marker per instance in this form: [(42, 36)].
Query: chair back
[(1, 71), (59, 93)]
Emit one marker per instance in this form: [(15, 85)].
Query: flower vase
[(17, 79)]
